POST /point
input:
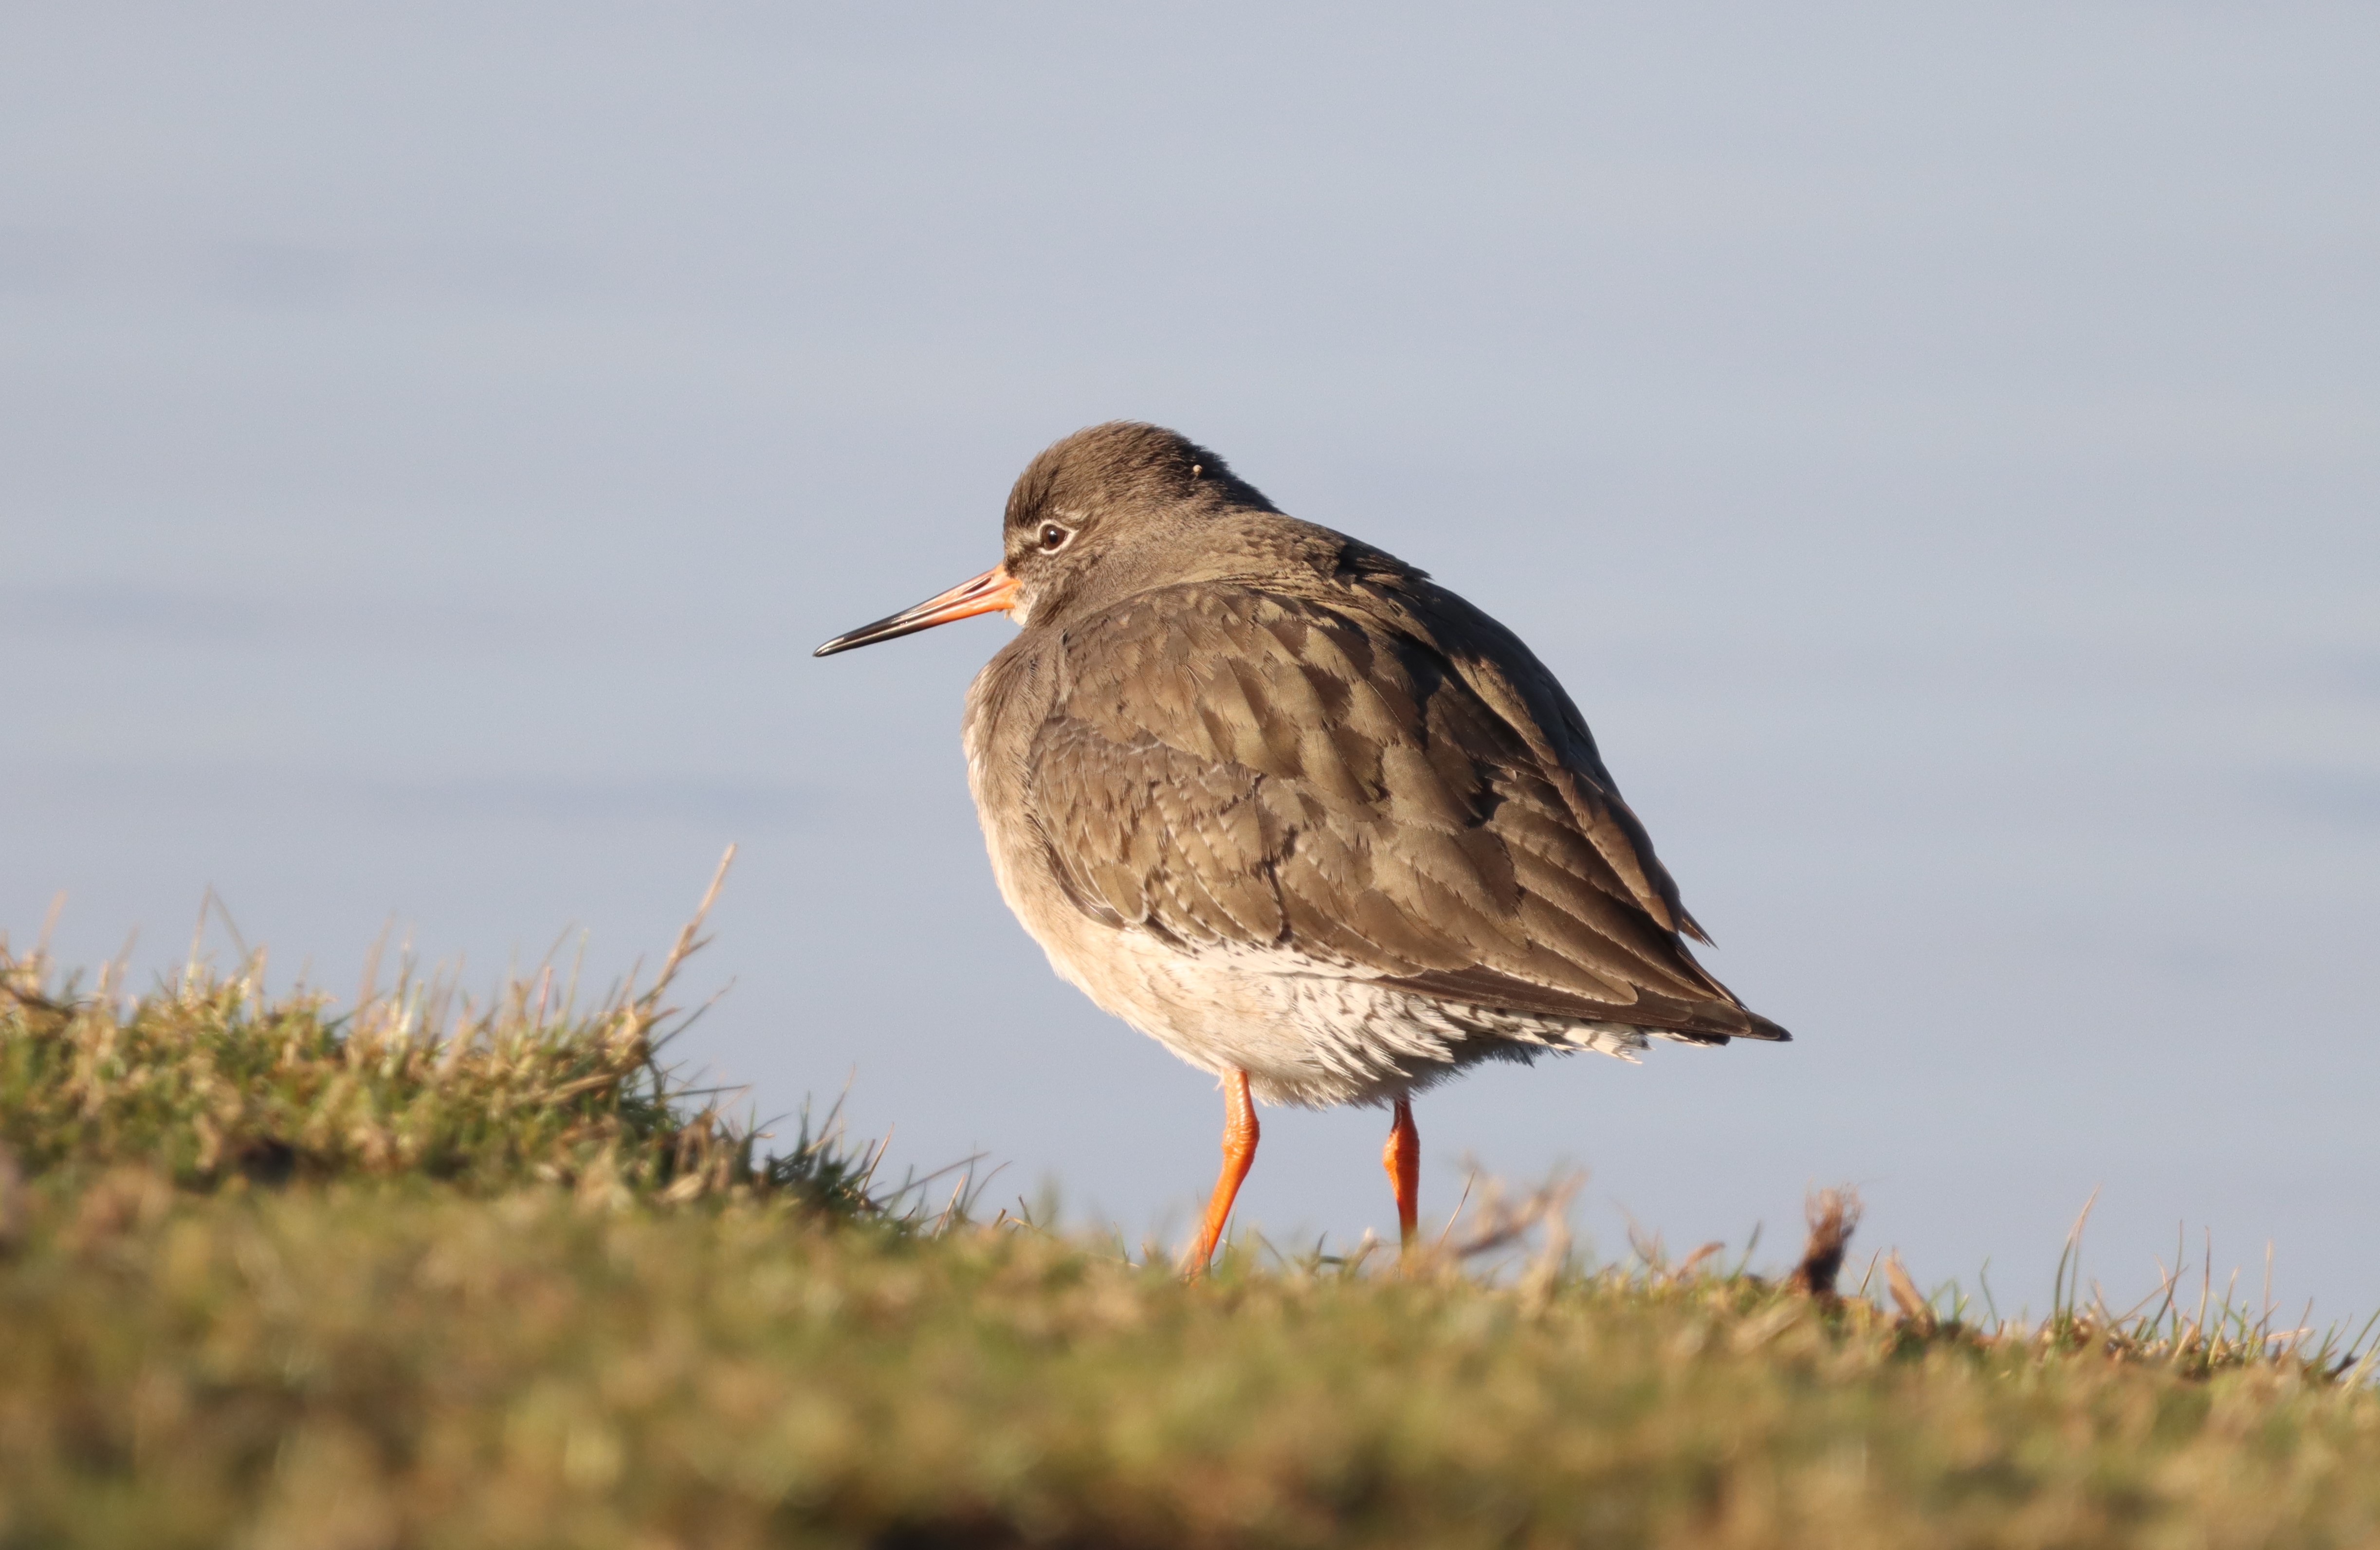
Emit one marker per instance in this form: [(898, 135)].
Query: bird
[(1278, 799)]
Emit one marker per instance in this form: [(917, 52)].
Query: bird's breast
[(1009, 699)]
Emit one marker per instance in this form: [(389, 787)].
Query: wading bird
[(1277, 799)]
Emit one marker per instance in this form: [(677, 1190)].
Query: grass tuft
[(209, 1081)]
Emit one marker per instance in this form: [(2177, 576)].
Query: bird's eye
[(1053, 537)]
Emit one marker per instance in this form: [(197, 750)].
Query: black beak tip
[(866, 634)]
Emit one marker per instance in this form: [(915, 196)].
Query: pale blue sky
[(1941, 452)]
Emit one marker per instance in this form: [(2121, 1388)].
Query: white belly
[(1304, 1033)]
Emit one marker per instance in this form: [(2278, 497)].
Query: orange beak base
[(992, 592)]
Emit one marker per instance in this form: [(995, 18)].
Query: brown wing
[(1224, 766)]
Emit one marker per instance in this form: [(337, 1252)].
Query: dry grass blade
[(1499, 1222), (690, 940), (25, 982), (1833, 1216), (1915, 1313)]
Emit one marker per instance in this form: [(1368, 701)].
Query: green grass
[(274, 1278), (209, 1082)]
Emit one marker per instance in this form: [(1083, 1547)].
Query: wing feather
[(1228, 766)]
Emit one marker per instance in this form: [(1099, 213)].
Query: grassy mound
[(363, 1364), (273, 1277)]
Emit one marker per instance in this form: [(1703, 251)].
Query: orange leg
[(1402, 1158), (1239, 1151)]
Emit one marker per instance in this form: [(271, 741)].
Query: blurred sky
[(1939, 447)]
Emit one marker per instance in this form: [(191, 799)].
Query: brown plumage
[(1282, 801)]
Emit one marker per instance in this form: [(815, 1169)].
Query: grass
[(209, 1083), (271, 1277)]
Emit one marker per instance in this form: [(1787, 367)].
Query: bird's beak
[(992, 592)]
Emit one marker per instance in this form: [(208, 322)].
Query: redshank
[(1280, 801)]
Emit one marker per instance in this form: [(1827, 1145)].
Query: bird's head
[(1097, 516)]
